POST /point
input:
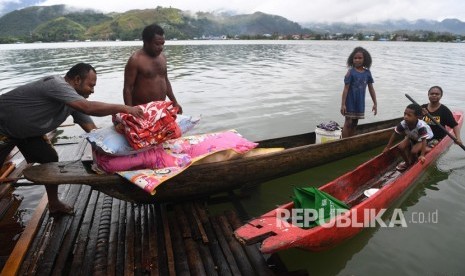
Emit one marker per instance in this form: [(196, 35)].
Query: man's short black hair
[(150, 31), (81, 70)]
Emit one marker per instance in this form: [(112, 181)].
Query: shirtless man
[(145, 74)]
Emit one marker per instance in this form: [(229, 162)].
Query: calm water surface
[(268, 89)]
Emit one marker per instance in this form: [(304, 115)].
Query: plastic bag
[(324, 205)]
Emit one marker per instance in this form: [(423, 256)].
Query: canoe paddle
[(436, 122)]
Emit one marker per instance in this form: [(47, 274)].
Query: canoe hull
[(205, 179), (278, 235)]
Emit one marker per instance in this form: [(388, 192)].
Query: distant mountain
[(21, 23), (62, 23), (453, 26), (58, 23)]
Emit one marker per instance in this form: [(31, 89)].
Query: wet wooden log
[(120, 252), (83, 236), (224, 246), (241, 258), (192, 251), (256, 258), (80, 203), (153, 243), (137, 239), (57, 235), (168, 245), (222, 266), (145, 246), (200, 238), (101, 254), (43, 242), (129, 241), (194, 220), (113, 238), (182, 265)]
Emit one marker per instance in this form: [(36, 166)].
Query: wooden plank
[(101, 253), (192, 251), (68, 242), (252, 251), (18, 254), (181, 263), (13, 175), (5, 204), (51, 250), (145, 245), (137, 240), (90, 250), (168, 246), (120, 257), (129, 241), (199, 238), (83, 236), (153, 244), (39, 252), (113, 238), (213, 244), (224, 246), (194, 221), (239, 255), (6, 169), (183, 222)]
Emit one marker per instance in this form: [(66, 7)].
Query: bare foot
[(61, 209)]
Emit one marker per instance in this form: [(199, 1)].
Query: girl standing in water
[(356, 80)]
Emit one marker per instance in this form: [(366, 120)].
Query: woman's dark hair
[(81, 70), (416, 109), (366, 57), (437, 87), (150, 31)]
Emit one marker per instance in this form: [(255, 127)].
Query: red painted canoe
[(277, 234)]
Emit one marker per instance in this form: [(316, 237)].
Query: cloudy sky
[(349, 11)]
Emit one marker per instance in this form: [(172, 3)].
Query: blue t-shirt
[(39, 107), (355, 101)]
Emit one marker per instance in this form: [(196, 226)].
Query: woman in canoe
[(417, 134), (441, 114)]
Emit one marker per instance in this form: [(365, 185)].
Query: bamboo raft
[(108, 236)]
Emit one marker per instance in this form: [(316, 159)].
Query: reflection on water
[(268, 89)]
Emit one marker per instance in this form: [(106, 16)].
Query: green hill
[(60, 23), (59, 29)]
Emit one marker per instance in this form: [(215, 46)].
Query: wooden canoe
[(300, 152), (379, 172)]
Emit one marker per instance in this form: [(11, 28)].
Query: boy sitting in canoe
[(416, 133)]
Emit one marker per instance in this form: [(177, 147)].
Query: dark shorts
[(34, 149)]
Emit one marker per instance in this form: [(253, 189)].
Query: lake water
[(267, 89)]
